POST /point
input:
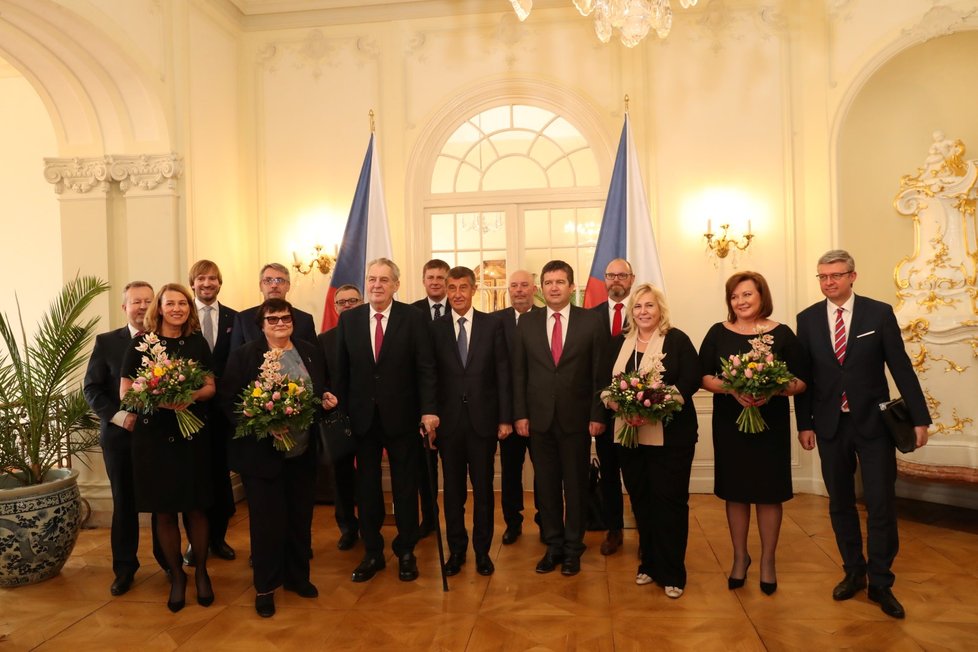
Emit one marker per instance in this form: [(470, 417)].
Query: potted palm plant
[(44, 423)]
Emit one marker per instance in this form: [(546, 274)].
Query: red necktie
[(616, 322), (378, 335), (840, 348), (557, 339)]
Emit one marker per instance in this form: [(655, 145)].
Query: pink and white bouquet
[(642, 398), (164, 380), (757, 373), (276, 405)]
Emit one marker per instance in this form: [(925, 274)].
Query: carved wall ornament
[(79, 175), (146, 171), (937, 292)]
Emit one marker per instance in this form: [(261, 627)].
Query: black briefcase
[(896, 416)]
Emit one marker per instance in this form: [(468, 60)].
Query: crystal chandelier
[(632, 18)]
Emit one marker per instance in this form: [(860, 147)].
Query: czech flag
[(626, 228), (367, 235)]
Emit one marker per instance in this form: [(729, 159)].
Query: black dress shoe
[(188, 557), (223, 550), (887, 601), (851, 584), (612, 542), (768, 588), (368, 568), (347, 540), (407, 567), (265, 605), (205, 592), (304, 589), (511, 534), (549, 563), (484, 565), (121, 585), (571, 566), (454, 564)]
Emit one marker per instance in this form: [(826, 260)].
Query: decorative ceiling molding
[(942, 20)]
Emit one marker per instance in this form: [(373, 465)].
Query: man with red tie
[(618, 280), (559, 367)]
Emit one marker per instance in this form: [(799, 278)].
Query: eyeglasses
[(274, 280), (274, 319), (624, 276), (837, 276), (346, 302)]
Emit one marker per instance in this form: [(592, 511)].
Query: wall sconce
[(319, 259), (721, 245)]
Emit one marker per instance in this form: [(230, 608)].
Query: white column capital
[(79, 175)]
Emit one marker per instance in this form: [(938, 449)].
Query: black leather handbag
[(896, 416), (335, 437)]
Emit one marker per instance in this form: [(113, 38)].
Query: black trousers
[(280, 516), (220, 512), (124, 534), (877, 463), (345, 494), (560, 462), (657, 479), (404, 450), (512, 455), (468, 456), (614, 505)]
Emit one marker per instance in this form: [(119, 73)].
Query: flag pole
[(370, 114), (626, 103)]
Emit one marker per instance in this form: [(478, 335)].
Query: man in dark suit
[(849, 339), (618, 279), (475, 408), (386, 381), (216, 325), (435, 305), (559, 368), (101, 389), (346, 298), (274, 283), (513, 447)]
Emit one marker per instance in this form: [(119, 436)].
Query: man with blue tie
[(849, 339), (560, 366), (475, 411)]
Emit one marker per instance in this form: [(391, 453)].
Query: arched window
[(512, 187)]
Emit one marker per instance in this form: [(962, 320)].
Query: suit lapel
[(394, 326)]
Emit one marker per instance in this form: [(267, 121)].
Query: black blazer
[(401, 385), (874, 341), (248, 454), (246, 330), (422, 305), (481, 390), (682, 369), (602, 310), (101, 386), (222, 344), (568, 392), (508, 318), (327, 344)]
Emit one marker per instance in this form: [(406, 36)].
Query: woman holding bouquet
[(752, 456), (656, 464), (171, 470), (274, 449)]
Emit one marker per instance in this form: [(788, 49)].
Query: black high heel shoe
[(737, 582), (769, 587), (175, 579), (205, 593)]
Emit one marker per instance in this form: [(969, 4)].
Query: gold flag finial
[(371, 114), (626, 102)]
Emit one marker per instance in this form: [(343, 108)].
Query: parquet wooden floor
[(516, 609)]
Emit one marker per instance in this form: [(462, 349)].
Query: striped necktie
[(840, 349)]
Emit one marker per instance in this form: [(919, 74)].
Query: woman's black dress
[(170, 473), (750, 468)]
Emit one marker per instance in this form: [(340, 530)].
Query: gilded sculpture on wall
[(937, 306)]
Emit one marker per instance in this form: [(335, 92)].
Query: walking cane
[(434, 505)]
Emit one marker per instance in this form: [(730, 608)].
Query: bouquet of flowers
[(642, 396), (757, 373), (275, 405), (162, 380)]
